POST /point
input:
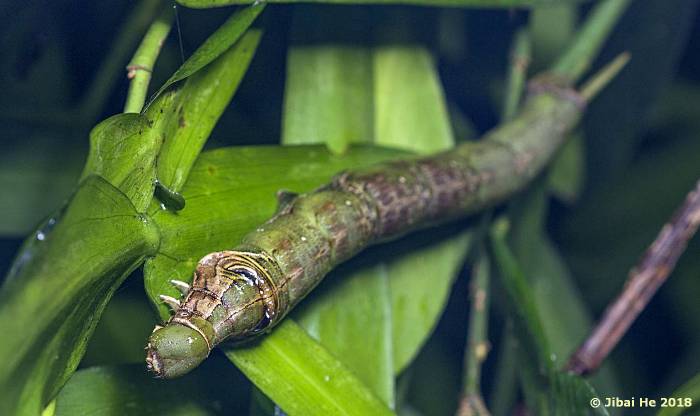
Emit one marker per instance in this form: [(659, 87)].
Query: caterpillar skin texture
[(243, 292)]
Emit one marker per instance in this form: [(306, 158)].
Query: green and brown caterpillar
[(244, 292)]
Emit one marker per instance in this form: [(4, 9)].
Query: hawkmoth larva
[(243, 292)]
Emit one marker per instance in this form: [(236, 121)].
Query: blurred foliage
[(398, 76)]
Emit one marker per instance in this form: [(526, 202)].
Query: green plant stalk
[(589, 40), (101, 85), (520, 57), (243, 292), (141, 66), (477, 343), (504, 390)]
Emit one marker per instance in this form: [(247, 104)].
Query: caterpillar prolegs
[(241, 293)]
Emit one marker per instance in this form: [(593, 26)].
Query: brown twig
[(643, 281)]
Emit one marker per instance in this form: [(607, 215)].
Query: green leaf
[(187, 118), (546, 389), (412, 117), (58, 286), (565, 316), (215, 45), (126, 390), (572, 396), (123, 151), (328, 96), (455, 3), (356, 304), (302, 377)]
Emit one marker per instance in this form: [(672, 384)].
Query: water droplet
[(348, 203), (303, 238), (260, 230), (190, 340), (31, 247), (326, 378)]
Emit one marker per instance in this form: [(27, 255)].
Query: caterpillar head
[(174, 350)]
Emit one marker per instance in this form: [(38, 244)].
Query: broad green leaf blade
[(187, 118), (302, 377), (453, 3), (565, 317), (123, 151), (215, 45), (58, 286), (126, 390), (230, 191), (356, 304), (328, 96), (417, 301), (547, 390), (524, 307), (410, 111)]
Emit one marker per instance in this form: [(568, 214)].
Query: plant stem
[(92, 103), (593, 86), (519, 61), (643, 282), (477, 343), (504, 392), (589, 40), (141, 66)]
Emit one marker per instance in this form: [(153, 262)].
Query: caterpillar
[(243, 292)]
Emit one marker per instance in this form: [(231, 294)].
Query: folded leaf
[(191, 114), (58, 287), (215, 45)]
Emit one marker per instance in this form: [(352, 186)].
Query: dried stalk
[(643, 282)]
